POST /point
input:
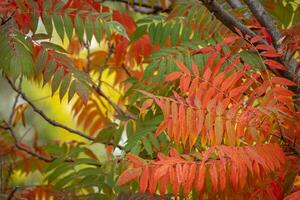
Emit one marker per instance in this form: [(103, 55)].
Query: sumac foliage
[(172, 99)]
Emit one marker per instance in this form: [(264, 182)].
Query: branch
[(234, 3), (143, 5), (45, 117), (226, 18), (265, 20)]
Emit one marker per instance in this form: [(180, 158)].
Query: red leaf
[(229, 39), (270, 54), (129, 175), (257, 38), (238, 31), (173, 76), (204, 50), (293, 196), (283, 91), (274, 64), (264, 47), (195, 69), (182, 67), (282, 81)]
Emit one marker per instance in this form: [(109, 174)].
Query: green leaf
[(60, 170), (154, 141), (68, 26), (46, 6), (64, 86), (150, 69), (5, 53), (72, 90), (65, 180), (40, 36), (53, 46), (35, 16), (89, 28), (147, 146), (117, 136), (98, 31), (138, 33), (118, 28), (57, 78), (41, 61), (105, 135), (47, 21), (58, 24), (22, 61), (136, 149), (106, 28), (83, 91), (50, 69), (79, 27)]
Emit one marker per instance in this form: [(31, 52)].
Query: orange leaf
[(214, 176), (161, 171), (161, 127), (146, 105), (137, 161), (144, 179), (237, 91), (282, 81), (173, 76), (195, 69), (219, 129), (201, 177), (129, 175), (179, 173)]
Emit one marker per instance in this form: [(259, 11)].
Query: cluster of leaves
[(204, 112)]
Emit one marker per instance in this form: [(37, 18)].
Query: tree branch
[(142, 4), (265, 20), (234, 3), (226, 18)]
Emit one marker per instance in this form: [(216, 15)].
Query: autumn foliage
[(187, 104)]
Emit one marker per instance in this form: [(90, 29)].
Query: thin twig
[(12, 193), (114, 105), (23, 148), (15, 102), (7, 19), (45, 117), (105, 63)]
